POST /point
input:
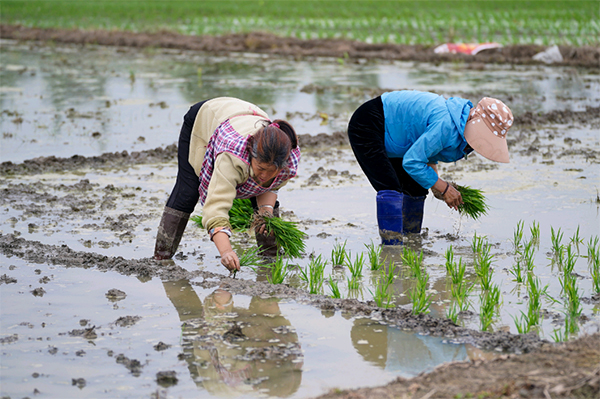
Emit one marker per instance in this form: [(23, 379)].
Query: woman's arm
[(266, 202), (229, 258), (446, 191), (228, 172)]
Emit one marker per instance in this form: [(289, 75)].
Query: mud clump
[(166, 378)]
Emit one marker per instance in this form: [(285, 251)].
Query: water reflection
[(406, 353), (233, 350)]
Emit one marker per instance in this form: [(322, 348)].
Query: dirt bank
[(270, 44), (569, 370)]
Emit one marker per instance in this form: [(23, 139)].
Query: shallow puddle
[(64, 101), (83, 333)]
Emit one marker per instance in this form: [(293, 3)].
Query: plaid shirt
[(226, 139)]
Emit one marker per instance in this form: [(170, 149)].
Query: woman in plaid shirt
[(228, 148)]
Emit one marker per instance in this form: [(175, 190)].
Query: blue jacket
[(424, 128)]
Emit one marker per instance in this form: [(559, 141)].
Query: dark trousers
[(185, 194), (366, 132)]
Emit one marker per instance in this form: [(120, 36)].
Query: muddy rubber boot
[(267, 243), (412, 214), (171, 228), (389, 216)]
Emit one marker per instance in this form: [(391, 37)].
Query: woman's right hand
[(230, 260), (453, 198), (447, 193)]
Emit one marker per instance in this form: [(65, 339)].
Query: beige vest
[(245, 118)]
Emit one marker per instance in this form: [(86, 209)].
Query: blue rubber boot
[(412, 214), (389, 216), (398, 214)]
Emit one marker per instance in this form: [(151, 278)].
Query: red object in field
[(465, 48)]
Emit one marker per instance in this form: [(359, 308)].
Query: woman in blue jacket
[(399, 137)]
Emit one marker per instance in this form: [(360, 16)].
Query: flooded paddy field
[(88, 162)]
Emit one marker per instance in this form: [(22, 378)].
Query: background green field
[(404, 22)]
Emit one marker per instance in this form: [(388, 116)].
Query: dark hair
[(272, 144)]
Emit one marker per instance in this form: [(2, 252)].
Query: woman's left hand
[(262, 228)]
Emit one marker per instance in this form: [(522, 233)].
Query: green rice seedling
[(517, 270), (197, 219), (382, 296), (250, 257), (374, 252), (458, 286), (529, 254), (457, 272), (535, 232), (576, 240), (570, 290), (522, 324), (353, 283), (335, 289), (570, 260), (593, 248), (571, 324), (384, 288), (355, 267), (412, 260), (278, 271), (594, 263), (478, 244), (421, 300), (489, 300), (287, 235), (474, 205), (559, 335), (452, 312), (338, 254), (483, 266), (518, 236), (534, 292), (313, 275), (460, 292), (449, 255), (557, 247), (390, 274)]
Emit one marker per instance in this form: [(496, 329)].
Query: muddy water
[(64, 101), (85, 333)]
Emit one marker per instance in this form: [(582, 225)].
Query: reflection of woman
[(228, 148), (399, 137), (264, 356)]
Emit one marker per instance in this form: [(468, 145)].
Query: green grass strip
[(402, 22)]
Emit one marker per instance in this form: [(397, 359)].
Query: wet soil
[(530, 367), (270, 44)]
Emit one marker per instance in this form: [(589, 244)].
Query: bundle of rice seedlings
[(474, 204), (240, 215), (287, 234)]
